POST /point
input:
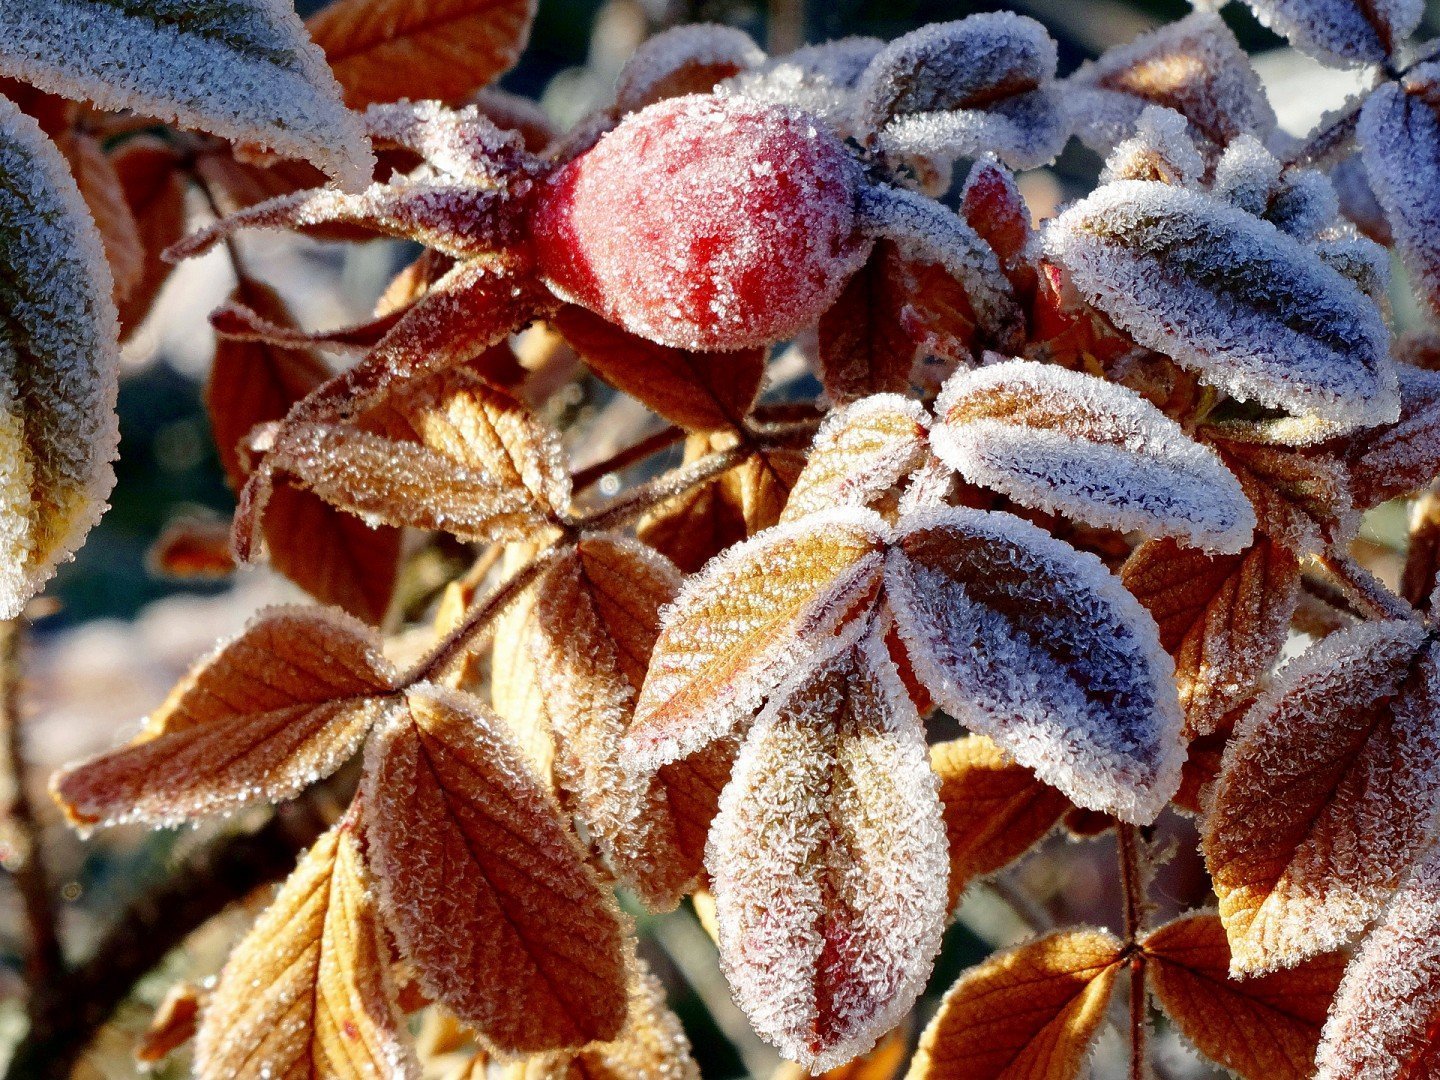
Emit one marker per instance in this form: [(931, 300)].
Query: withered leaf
[(994, 809), (193, 548), (701, 391), (307, 992), (515, 691), (1065, 442), (885, 1061), (1025, 639), (1422, 556), (1402, 457), (100, 187), (385, 50), (737, 629), (483, 882), (683, 60), (1325, 794), (1031, 1011), (827, 860), (761, 484), (1223, 618), (154, 190), (861, 452), (174, 1024), (269, 713), (1301, 499), (696, 526), (1261, 1028)]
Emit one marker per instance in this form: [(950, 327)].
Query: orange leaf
[(994, 809), (693, 528), (1262, 1028), (761, 484), (281, 706), (154, 189), (1300, 500), (194, 547), (1222, 617), (1031, 1011), (1325, 797), (100, 186), (865, 345), (861, 452), (385, 50), (515, 691), (307, 992), (484, 884), (173, 1025)]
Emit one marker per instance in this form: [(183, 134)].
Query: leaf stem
[(645, 497), (649, 446), (1132, 881), (1363, 589)]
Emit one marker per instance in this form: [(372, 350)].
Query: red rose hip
[(704, 222)]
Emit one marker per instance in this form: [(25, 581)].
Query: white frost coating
[(1399, 133), (242, 69), (1358, 257), (1345, 33), (698, 45), (1304, 204), (463, 143), (1089, 449), (1022, 638), (1025, 131), (828, 860), (1231, 296), (819, 79), (59, 362), (927, 231), (1246, 174), (1382, 1021), (1194, 66), (1161, 143)]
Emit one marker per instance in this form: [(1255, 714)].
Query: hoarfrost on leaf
[(1346, 33), (684, 60), (819, 79), (1161, 149)]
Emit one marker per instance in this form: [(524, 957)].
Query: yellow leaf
[(1028, 1012), (860, 453), (307, 992)]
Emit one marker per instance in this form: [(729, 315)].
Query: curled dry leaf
[(1301, 500), (1348, 33), (193, 548), (994, 809), (738, 628), (1230, 296), (1031, 1011), (266, 83), (1383, 1023), (386, 50), (1224, 619), (683, 60), (1325, 795), (827, 859), (271, 712), (1402, 457), (59, 358), (1261, 1028), (1022, 638), (1422, 555), (99, 185), (1064, 442), (484, 884), (860, 453), (174, 1024), (307, 992)]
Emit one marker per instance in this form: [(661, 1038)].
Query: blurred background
[(116, 637)]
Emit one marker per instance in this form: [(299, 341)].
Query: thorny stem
[(1363, 589), (1132, 881), (44, 959)]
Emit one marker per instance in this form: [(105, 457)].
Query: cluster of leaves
[(1075, 486)]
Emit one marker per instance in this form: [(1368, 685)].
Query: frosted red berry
[(704, 222)]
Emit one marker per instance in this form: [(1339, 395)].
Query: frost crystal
[(859, 454), (681, 60), (1160, 149), (1072, 444), (1022, 638), (1231, 296), (261, 80), (1347, 33), (59, 360), (819, 79), (1246, 174)]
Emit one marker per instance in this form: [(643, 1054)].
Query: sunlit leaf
[(860, 453)]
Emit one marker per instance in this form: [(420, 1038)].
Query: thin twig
[(1132, 881), (1367, 592), (44, 958), (1022, 904), (649, 446), (645, 497)]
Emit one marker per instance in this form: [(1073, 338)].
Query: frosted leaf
[(1301, 500), (1358, 258), (820, 79), (1383, 1023), (1346, 33), (1022, 638), (308, 989), (959, 89), (263, 81), (1401, 457), (484, 884), (1194, 66), (1246, 175), (1357, 199), (827, 860), (741, 625), (927, 232), (59, 359), (463, 144), (1159, 150), (265, 716), (1064, 442), (237, 321), (860, 453), (1399, 132), (991, 202), (683, 60), (1230, 296), (1326, 794)]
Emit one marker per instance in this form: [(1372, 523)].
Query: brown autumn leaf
[(332, 555), (1324, 798), (484, 884), (192, 548), (885, 1062), (154, 188), (1402, 457), (173, 1025), (994, 809), (268, 714), (865, 345), (1030, 1011), (694, 527), (1223, 618), (386, 50), (701, 391), (1261, 1028), (307, 992), (1422, 557), (1301, 500), (761, 484), (515, 691), (104, 195)]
